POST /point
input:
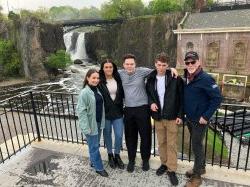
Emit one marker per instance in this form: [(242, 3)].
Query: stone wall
[(144, 37)]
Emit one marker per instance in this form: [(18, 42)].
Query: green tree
[(188, 5), (42, 13), (59, 60), (89, 13), (122, 8), (163, 6), (63, 13), (210, 2), (9, 59)]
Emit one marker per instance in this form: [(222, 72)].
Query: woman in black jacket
[(111, 88)]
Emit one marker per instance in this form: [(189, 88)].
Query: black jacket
[(173, 98), (113, 109)]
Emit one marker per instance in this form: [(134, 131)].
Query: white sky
[(15, 5)]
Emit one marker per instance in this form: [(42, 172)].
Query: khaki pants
[(167, 134)]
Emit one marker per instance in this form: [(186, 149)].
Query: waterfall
[(76, 47)]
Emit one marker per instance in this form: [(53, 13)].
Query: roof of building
[(219, 19)]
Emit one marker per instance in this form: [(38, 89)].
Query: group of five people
[(127, 99)]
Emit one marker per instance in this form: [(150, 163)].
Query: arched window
[(189, 47), (239, 54), (212, 55)]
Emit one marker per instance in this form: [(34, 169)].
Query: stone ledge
[(213, 172)]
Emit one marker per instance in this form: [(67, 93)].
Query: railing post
[(35, 116)]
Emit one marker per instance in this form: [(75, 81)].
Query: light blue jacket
[(86, 111)]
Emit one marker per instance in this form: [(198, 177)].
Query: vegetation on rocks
[(9, 59), (58, 60)]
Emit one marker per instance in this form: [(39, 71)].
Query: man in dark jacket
[(201, 99), (165, 95)]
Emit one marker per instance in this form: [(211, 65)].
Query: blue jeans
[(94, 153), (118, 130)]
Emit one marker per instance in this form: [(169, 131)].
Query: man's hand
[(202, 121), (174, 72), (178, 121), (154, 107)]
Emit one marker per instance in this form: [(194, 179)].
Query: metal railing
[(17, 128), (227, 5), (49, 115)]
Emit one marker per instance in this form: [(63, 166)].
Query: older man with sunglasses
[(201, 99)]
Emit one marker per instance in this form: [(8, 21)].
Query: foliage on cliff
[(163, 6), (58, 60), (122, 8), (9, 59)]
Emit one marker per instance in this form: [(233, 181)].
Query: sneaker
[(190, 173), (131, 166), (118, 161), (91, 164), (194, 181), (161, 170), (111, 161), (103, 173), (145, 165), (172, 177)]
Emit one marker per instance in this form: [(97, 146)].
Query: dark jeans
[(137, 119), (197, 132)]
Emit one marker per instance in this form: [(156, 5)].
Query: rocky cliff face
[(144, 37), (35, 42), (3, 30)]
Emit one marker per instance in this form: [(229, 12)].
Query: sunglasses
[(191, 62)]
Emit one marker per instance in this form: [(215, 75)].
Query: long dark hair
[(88, 74), (115, 73)]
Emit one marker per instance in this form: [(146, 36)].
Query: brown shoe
[(194, 181), (190, 173)]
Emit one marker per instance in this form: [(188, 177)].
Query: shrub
[(58, 60), (9, 59)]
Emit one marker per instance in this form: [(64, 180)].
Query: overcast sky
[(34, 4)]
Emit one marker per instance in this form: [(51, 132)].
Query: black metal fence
[(33, 116), (227, 5)]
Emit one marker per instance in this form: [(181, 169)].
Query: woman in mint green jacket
[(90, 110)]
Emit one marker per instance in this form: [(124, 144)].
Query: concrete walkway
[(51, 163)]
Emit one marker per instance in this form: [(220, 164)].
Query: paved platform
[(51, 163)]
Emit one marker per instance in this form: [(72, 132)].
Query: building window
[(213, 51), (189, 47), (239, 54)]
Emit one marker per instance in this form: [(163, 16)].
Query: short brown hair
[(129, 55), (162, 57)]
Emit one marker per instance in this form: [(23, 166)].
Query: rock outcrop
[(35, 42)]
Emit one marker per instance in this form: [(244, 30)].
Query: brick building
[(222, 39)]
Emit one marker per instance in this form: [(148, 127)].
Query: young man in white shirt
[(165, 95)]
